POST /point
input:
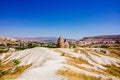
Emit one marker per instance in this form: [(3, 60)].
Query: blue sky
[(68, 18)]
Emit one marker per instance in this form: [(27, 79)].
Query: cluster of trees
[(26, 45)]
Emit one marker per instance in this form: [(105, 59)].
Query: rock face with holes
[(61, 43)]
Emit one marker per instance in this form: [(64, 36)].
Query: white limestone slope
[(45, 63)]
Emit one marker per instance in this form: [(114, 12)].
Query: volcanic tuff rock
[(61, 43)]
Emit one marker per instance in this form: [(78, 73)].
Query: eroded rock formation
[(61, 43)]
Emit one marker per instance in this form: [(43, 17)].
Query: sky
[(52, 18)]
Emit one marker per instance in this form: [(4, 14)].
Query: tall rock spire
[(61, 43)]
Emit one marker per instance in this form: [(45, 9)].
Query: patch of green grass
[(16, 61)]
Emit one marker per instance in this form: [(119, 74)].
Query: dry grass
[(72, 75), (92, 52), (76, 50), (62, 53), (15, 74), (57, 50), (86, 69), (73, 59), (113, 70), (85, 52), (77, 60), (5, 66), (118, 63), (9, 71), (102, 53), (6, 56), (80, 49), (114, 53)]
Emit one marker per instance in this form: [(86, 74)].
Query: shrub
[(16, 61)]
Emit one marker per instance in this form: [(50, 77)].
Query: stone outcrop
[(61, 43)]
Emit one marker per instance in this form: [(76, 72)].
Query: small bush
[(16, 61)]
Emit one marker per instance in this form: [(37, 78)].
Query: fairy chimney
[(60, 42), (66, 44)]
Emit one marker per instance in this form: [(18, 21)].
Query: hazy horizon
[(72, 19)]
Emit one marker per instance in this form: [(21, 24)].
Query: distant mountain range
[(43, 39)]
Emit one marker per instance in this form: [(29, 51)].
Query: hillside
[(61, 64), (105, 39)]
